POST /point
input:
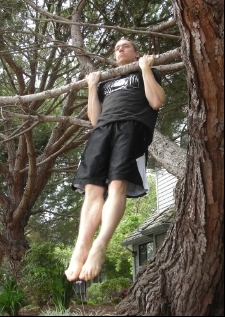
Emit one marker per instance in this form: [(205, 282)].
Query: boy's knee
[(118, 186), (94, 190)]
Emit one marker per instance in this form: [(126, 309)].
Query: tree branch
[(164, 25), (40, 118), (18, 70), (168, 154), (160, 59), (54, 17), (31, 177)]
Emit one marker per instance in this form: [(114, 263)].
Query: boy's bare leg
[(90, 219), (113, 211)]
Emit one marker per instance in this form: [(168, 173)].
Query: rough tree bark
[(168, 154), (185, 278)]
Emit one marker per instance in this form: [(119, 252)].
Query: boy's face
[(125, 53)]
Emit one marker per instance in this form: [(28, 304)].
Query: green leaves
[(12, 297), (108, 291), (43, 275)]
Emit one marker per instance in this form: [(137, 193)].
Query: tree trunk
[(185, 278), (13, 245)]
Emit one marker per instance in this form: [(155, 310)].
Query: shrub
[(109, 291), (81, 302), (63, 291), (43, 275), (94, 294), (12, 297), (115, 290)]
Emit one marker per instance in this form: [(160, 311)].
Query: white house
[(144, 241)]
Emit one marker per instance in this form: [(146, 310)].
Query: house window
[(159, 238), (145, 252)]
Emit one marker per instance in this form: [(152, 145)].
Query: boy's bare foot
[(77, 261), (93, 264)]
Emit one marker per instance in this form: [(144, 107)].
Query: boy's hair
[(134, 44)]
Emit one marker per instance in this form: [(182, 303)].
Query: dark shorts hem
[(112, 153)]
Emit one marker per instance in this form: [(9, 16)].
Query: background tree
[(46, 50)]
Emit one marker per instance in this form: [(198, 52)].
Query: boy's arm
[(94, 105), (153, 91)]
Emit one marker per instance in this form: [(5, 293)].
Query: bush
[(109, 291), (63, 291), (43, 275), (94, 294), (12, 297), (81, 302)]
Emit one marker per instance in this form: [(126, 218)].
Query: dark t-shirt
[(123, 98)]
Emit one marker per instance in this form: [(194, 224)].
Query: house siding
[(165, 184)]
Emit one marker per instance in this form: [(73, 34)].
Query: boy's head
[(126, 51)]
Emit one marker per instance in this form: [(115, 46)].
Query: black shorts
[(116, 151)]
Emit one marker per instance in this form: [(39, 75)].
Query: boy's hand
[(93, 78), (146, 61)]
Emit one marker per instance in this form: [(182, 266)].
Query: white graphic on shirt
[(128, 83)]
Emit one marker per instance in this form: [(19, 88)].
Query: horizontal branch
[(40, 118), (114, 72), (117, 28)]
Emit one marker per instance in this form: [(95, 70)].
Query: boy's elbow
[(157, 104), (93, 122), (157, 107)]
